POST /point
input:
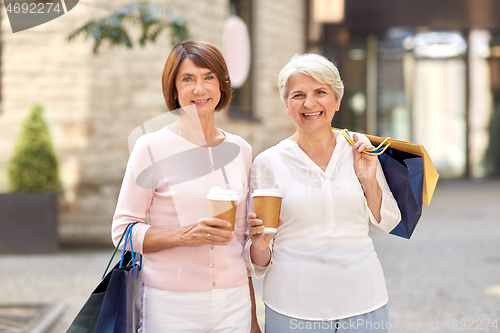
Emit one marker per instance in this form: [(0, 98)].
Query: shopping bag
[(404, 173), (410, 174), (121, 307), (87, 319), (430, 174)]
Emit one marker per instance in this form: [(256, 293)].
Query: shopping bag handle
[(128, 237), (375, 151), (125, 232)]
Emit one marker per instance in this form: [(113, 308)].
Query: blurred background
[(417, 70)]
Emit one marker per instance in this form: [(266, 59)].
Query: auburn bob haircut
[(204, 55)]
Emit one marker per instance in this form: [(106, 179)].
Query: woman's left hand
[(365, 165)]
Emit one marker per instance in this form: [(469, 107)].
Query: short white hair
[(314, 65)]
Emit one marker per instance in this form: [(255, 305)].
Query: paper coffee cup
[(267, 206), (222, 205)]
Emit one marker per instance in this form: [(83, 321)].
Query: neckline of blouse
[(310, 163), (194, 144)]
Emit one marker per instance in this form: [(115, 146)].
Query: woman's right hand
[(260, 240), (259, 251), (207, 231)]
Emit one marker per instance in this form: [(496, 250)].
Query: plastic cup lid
[(216, 193), (272, 192)]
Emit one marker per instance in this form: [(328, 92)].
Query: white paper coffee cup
[(222, 204)]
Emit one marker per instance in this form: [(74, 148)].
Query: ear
[(338, 106)]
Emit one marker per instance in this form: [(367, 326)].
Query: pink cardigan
[(181, 204)]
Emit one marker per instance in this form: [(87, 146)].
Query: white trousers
[(210, 311)]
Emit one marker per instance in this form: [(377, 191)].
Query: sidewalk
[(447, 277), (447, 274)]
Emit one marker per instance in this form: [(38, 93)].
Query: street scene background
[(423, 71)]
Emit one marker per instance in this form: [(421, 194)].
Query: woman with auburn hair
[(321, 271), (195, 278)]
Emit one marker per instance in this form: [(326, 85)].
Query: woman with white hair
[(321, 270)]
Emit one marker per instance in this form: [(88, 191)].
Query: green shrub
[(34, 166)]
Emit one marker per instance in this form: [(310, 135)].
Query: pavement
[(446, 278)]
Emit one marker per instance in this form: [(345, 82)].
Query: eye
[(186, 79), (321, 92), (297, 95), (210, 78)]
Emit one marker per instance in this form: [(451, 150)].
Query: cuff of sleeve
[(138, 235), (389, 212), (257, 270)]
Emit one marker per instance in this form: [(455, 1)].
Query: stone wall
[(93, 102)]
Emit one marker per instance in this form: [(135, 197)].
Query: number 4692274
[(33, 8), (471, 324)]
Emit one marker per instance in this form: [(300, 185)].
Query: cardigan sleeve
[(247, 158), (134, 200)]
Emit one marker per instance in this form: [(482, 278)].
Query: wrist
[(260, 257), (178, 237), (159, 239), (370, 185)]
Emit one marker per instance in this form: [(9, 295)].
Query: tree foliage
[(152, 18), (34, 166)]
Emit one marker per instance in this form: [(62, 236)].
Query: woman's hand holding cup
[(260, 252), (208, 231)]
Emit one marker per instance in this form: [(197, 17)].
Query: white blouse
[(324, 265)]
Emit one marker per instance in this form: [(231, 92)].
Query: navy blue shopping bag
[(405, 176), (410, 174), (121, 305), (114, 306)]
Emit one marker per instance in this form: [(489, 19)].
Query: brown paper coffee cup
[(222, 204), (267, 206)]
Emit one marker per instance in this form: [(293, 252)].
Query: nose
[(309, 102), (199, 87)]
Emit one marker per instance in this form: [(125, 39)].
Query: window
[(241, 103)]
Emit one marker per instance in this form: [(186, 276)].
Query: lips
[(201, 101), (312, 114)]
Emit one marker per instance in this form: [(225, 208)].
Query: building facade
[(419, 70), (93, 102)]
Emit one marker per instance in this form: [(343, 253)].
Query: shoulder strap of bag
[(375, 151)]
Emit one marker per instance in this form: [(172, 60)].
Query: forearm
[(158, 239), (207, 231), (260, 257), (373, 195)]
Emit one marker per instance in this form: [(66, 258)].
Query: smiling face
[(197, 86), (310, 104)]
